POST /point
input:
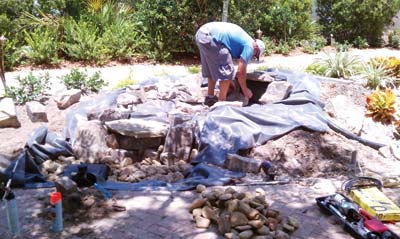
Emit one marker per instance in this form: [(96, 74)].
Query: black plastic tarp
[(229, 129)]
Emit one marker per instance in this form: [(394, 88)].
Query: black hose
[(348, 134)]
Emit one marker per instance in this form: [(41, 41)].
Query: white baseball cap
[(261, 47)]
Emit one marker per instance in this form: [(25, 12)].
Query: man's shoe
[(210, 100)]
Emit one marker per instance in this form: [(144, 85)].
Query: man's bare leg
[(211, 86), (223, 89)]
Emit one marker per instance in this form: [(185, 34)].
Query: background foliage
[(349, 19), (101, 30)]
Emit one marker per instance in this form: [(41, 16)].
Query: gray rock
[(246, 234), (178, 143), (202, 222), (90, 145), (264, 230), (346, 113), (138, 128), (66, 186), (238, 219), (200, 188), (36, 111), (126, 99), (8, 114), (133, 143), (108, 114), (67, 98), (276, 91), (239, 163)]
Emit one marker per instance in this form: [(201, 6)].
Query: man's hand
[(241, 74)]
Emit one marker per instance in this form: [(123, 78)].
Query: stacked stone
[(155, 171), (240, 215)]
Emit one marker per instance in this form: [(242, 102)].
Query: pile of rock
[(154, 170), (240, 214)]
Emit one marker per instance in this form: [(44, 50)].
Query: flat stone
[(246, 234), (36, 111), (108, 114), (133, 143), (276, 91), (239, 163), (8, 114), (127, 98), (65, 99), (138, 128)]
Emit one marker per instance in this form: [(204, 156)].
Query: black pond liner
[(224, 130)]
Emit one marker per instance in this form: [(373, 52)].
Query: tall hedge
[(348, 19), (279, 19)]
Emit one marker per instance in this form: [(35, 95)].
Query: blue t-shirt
[(233, 37)]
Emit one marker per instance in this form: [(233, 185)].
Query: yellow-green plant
[(194, 69), (381, 105), (126, 81)]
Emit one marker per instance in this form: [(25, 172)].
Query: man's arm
[(241, 75)]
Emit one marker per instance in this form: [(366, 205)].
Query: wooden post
[(225, 11), (2, 76)]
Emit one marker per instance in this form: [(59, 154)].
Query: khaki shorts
[(216, 60)]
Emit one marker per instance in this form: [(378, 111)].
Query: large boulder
[(138, 128), (36, 111), (8, 114), (276, 91), (90, 141), (67, 98)]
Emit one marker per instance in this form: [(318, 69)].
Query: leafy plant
[(77, 79), (283, 48), (394, 38), (345, 46), (381, 105), (348, 19), (339, 65), (315, 69), (43, 45), (128, 80), (82, 41), (360, 42), (376, 73), (269, 45), (194, 69), (314, 44), (29, 88)]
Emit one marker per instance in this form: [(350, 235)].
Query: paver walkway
[(164, 214)]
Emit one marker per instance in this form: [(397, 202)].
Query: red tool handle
[(371, 223)]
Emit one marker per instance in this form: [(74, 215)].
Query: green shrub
[(124, 83), (29, 88), (43, 43), (316, 69), (77, 79), (394, 38), (287, 19), (194, 69), (127, 81), (339, 65), (345, 46), (269, 45), (348, 19), (283, 48), (360, 42), (376, 73), (314, 44), (82, 41)]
